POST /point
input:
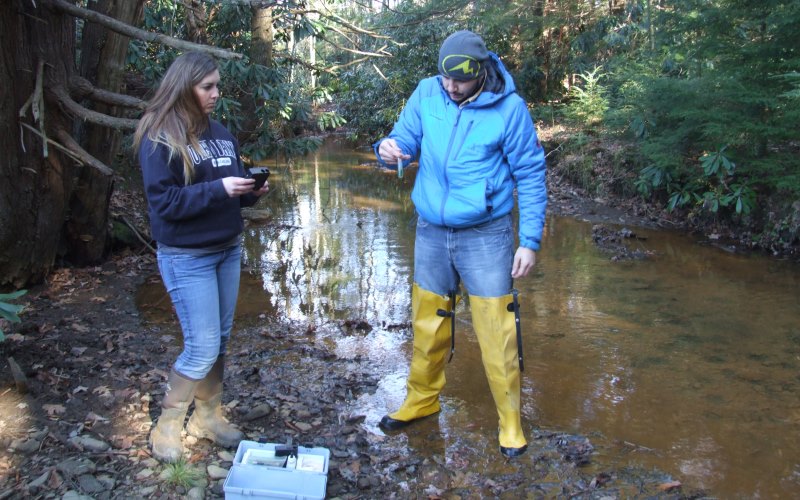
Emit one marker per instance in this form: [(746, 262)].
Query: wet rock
[(75, 495), (614, 241), (25, 445), (107, 481), (74, 467), (89, 443), (89, 484), (257, 412), (39, 481)]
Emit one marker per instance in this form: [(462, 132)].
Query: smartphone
[(260, 174)]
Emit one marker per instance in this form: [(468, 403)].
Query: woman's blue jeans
[(204, 289), (481, 257)]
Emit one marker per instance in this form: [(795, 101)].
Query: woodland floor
[(95, 371)]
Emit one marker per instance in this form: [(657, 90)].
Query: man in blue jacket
[(475, 142)]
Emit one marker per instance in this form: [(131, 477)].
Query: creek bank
[(95, 374)]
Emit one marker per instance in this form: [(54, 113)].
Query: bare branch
[(36, 104), (355, 61), (82, 88), (128, 30), (78, 154), (138, 234), (380, 53), (338, 20), (82, 155), (92, 116)]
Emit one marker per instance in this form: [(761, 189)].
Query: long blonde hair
[(173, 116)]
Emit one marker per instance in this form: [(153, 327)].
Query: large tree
[(65, 106), (53, 190)]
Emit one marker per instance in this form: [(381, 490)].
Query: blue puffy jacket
[(471, 157)]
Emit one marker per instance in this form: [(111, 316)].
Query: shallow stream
[(686, 362)]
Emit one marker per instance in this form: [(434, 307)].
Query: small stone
[(90, 484), (149, 490), (216, 472), (25, 445), (257, 412), (196, 493), (39, 481), (89, 443), (75, 495), (144, 474), (74, 467)]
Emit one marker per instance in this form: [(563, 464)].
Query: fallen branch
[(138, 235), (20, 379)]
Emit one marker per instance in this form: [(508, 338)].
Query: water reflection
[(339, 248), (687, 361)]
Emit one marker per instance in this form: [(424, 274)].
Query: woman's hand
[(237, 186)]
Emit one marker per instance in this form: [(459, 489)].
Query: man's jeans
[(204, 289), (481, 257)]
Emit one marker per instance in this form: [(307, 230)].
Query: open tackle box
[(269, 470)]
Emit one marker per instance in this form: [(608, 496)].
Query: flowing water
[(686, 362)]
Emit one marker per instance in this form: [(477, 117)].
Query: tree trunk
[(103, 55), (260, 53), (34, 186), (262, 36)]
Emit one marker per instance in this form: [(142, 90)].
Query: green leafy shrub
[(588, 104), (9, 311)]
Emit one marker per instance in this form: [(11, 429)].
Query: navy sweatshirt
[(199, 214)]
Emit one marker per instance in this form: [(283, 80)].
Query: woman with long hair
[(195, 186)]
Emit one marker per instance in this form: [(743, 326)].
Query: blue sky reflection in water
[(688, 362)]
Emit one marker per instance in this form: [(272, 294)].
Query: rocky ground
[(83, 375)]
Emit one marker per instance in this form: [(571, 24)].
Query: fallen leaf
[(80, 328), (54, 409), (101, 390), (54, 481), (94, 417), (80, 388), (669, 486)]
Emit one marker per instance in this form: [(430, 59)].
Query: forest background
[(686, 107)]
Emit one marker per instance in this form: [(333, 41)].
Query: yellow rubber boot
[(495, 328), (426, 374)]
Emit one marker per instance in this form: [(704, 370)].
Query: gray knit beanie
[(462, 56)]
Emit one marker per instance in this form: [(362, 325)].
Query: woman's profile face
[(207, 92)]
